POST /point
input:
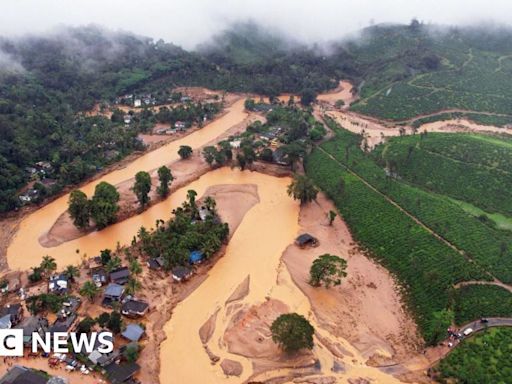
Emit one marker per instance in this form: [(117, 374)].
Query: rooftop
[(133, 332)]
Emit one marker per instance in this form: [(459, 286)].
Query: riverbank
[(366, 309), (184, 172), (233, 202)]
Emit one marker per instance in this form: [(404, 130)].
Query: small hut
[(306, 240)]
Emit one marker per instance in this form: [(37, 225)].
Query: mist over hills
[(401, 71)]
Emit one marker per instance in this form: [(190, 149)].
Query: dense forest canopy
[(401, 71)]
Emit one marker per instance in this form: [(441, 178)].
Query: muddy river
[(255, 250), (25, 251)]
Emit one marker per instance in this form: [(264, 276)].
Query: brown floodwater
[(25, 251), (255, 250)]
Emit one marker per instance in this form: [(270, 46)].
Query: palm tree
[(135, 267), (113, 264), (210, 203), (132, 286), (191, 196), (48, 264), (89, 290), (72, 272)]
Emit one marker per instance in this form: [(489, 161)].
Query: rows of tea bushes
[(477, 237), (463, 167), (490, 151), (473, 302), (426, 267), (483, 359)]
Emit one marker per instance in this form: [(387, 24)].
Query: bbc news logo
[(11, 342)]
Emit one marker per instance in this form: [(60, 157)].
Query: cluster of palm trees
[(48, 266)]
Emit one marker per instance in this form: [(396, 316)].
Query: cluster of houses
[(41, 172), (179, 126), (146, 99), (136, 100), (67, 319)]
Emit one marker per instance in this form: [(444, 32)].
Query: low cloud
[(189, 23)]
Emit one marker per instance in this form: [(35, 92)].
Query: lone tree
[(185, 151), (327, 270), (303, 189), (104, 205), (165, 176), (292, 332), (79, 209), (142, 187)]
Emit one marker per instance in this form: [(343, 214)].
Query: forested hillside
[(400, 71)]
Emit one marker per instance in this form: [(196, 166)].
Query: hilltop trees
[(303, 189), (165, 177), (142, 187), (327, 270), (79, 209), (104, 205), (185, 151), (292, 332)]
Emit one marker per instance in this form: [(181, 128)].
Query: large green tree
[(142, 187), (165, 177), (79, 209), (303, 189), (104, 204), (185, 151), (327, 270), (292, 332)]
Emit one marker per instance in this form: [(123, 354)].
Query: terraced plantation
[(427, 239), (463, 72)]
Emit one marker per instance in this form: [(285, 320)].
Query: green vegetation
[(302, 189), (425, 265), (184, 233), (89, 290), (142, 187), (292, 332), (472, 302), (470, 168), (79, 209), (482, 359), (165, 177), (104, 204), (413, 71), (401, 71), (45, 302), (185, 151), (327, 270)]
